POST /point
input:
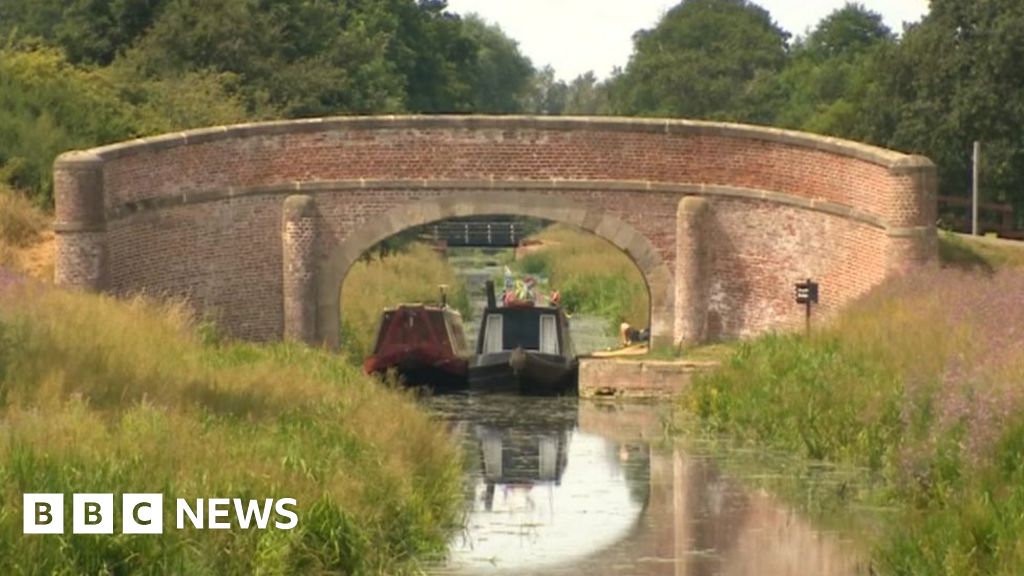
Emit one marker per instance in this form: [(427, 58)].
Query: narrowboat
[(524, 348), (425, 345)]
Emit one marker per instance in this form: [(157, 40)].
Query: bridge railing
[(476, 233)]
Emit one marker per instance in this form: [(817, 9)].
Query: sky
[(575, 36)]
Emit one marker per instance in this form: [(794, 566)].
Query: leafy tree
[(700, 61), (547, 95), (49, 106), (500, 75), (958, 76), (586, 96), (849, 31), (826, 84), (291, 58), (89, 31)]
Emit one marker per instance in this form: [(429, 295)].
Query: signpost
[(807, 294)]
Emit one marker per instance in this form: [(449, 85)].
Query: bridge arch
[(336, 264), (254, 223)]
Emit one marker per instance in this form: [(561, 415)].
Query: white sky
[(574, 36)]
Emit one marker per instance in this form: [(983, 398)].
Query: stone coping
[(888, 158), (128, 209)]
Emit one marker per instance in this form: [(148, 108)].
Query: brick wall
[(199, 214)]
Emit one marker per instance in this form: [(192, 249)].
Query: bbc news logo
[(144, 513)]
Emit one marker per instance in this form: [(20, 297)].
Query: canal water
[(564, 486), (574, 487)]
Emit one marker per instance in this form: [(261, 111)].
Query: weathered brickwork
[(298, 273), (212, 215)]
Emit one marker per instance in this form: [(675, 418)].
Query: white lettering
[(218, 508), (246, 515), (285, 512), (183, 510)]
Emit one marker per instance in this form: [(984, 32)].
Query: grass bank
[(98, 395), (411, 274), (592, 275), (920, 383), (22, 226)]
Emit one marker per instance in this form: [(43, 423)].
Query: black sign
[(807, 292)]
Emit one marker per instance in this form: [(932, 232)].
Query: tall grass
[(412, 274), (21, 221), (921, 382), (592, 275), (98, 395)]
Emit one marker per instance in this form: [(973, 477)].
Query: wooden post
[(974, 188)]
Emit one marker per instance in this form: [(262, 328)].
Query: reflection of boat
[(524, 459), (424, 344), (525, 348)]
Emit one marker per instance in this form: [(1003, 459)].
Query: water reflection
[(562, 486)]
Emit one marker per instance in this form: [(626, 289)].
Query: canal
[(565, 486)]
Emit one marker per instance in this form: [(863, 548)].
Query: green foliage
[(701, 61), (583, 96), (979, 254), (904, 384), (142, 406), (500, 75), (828, 76), (957, 77), (20, 221), (49, 106), (84, 73), (592, 276)]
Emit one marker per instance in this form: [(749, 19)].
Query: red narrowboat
[(425, 345)]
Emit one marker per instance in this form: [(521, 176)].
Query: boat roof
[(419, 305)]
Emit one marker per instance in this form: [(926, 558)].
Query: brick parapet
[(203, 214), (817, 168), (80, 224)]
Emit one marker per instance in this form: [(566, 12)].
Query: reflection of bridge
[(699, 522), (686, 518), (482, 232)]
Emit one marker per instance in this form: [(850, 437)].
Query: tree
[(847, 32), (290, 58), (700, 61), (49, 106), (586, 96), (500, 75), (89, 31), (547, 95), (957, 77), (826, 84)]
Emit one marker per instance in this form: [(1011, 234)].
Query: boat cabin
[(538, 329), (426, 345)]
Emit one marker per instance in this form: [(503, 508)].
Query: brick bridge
[(258, 224)]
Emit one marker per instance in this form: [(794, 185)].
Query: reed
[(592, 275), (100, 395), (918, 382)]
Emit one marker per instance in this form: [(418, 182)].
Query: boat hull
[(448, 374), (524, 372)]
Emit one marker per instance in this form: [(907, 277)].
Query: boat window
[(548, 334), (521, 330), (492, 334)]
